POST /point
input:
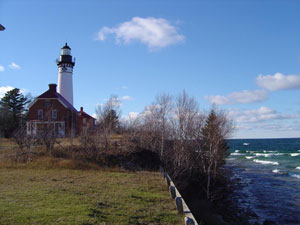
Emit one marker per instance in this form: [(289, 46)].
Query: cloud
[(278, 81), (126, 97), (3, 90), (122, 88), (132, 117), (261, 114), (1, 68), (14, 66), (242, 97), (95, 116), (153, 32)]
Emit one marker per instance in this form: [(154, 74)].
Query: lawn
[(64, 196)]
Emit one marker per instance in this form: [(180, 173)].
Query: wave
[(276, 171), (295, 175), (250, 157), (295, 154), (269, 154), (265, 162), (265, 151), (263, 154), (236, 153)]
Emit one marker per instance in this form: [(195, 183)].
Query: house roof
[(84, 114), (50, 94)]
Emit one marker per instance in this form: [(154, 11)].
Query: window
[(40, 114), (84, 121), (47, 103), (54, 114)]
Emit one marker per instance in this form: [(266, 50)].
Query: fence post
[(179, 205)]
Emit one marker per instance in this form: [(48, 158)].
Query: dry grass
[(49, 190)]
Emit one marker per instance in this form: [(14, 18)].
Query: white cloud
[(242, 97), (278, 81), (133, 115), (95, 116), (3, 90), (1, 68), (122, 88), (126, 97), (14, 66), (259, 115), (131, 118), (154, 32)]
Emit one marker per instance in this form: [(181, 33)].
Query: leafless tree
[(24, 141), (108, 119), (185, 124), (162, 112)]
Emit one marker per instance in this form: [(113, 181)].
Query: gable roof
[(84, 114), (52, 94)]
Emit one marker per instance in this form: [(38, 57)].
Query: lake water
[(269, 174)]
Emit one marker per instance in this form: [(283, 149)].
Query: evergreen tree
[(214, 146), (12, 111), (111, 120)]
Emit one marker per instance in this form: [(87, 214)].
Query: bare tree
[(185, 122), (108, 119), (163, 110), (24, 141)]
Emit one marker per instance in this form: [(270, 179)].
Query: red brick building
[(50, 108), (53, 110), (85, 122)]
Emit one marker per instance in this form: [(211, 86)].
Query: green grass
[(63, 196)]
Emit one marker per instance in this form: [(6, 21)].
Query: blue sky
[(242, 55)]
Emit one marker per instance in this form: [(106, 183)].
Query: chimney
[(52, 87), (81, 109)]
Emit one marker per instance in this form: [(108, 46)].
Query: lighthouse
[(65, 65)]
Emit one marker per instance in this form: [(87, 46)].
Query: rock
[(269, 222)]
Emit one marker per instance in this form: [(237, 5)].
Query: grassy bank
[(50, 190), (62, 196)]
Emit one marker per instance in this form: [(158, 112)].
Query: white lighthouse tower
[(65, 65)]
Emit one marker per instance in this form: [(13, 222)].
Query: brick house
[(51, 108), (85, 122)]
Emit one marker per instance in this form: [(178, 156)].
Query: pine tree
[(13, 111), (214, 145)]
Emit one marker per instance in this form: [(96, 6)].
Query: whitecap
[(231, 159), (295, 175), (263, 154), (298, 168), (295, 154), (236, 150), (250, 157), (265, 162), (236, 153), (276, 171)]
